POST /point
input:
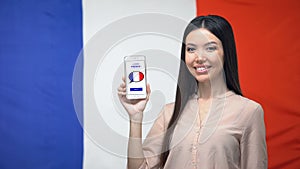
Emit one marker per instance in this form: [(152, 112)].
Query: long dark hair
[(187, 84)]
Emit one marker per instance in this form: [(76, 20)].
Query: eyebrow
[(210, 43), (190, 44), (206, 44)]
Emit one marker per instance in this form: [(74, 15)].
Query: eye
[(211, 48), (190, 49)]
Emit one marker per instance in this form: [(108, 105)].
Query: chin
[(202, 79)]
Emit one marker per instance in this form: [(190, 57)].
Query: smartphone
[(135, 75)]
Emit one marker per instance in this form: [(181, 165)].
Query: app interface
[(135, 77)]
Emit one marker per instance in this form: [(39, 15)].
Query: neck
[(212, 88)]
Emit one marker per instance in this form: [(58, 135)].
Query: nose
[(200, 57)]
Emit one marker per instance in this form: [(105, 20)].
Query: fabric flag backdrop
[(268, 50), (41, 40), (39, 44)]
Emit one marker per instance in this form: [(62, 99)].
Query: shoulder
[(242, 103), (251, 105), (250, 110), (168, 109), (167, 112), (243, 108)]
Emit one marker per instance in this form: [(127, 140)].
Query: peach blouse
[(231, 137)]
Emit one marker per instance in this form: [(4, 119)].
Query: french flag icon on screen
[(136, 76)]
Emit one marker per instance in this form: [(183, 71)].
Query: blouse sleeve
[(152, 145), (253, 142)]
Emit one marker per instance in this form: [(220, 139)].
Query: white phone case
[(135, 75)]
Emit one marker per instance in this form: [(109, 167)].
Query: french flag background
[(42, 42)]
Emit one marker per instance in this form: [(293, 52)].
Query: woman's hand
[(134, 107)]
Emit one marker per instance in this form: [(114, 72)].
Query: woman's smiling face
[(204, 55)]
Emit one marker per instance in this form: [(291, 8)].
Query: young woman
[(210, 125)]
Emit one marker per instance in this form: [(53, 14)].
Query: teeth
[(201, 68)]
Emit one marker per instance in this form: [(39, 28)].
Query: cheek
[(219, 59), (219, 63), (188, 59), (221, 56)]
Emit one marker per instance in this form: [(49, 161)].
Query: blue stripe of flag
[(39, 44)]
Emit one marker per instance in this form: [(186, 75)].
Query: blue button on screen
[(136, 89)]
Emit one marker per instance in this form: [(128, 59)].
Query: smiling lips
[(202, 69)]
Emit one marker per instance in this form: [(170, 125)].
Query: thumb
[(148, 90)]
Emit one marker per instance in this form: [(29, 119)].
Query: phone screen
[(135, 77)]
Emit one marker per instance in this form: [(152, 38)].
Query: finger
[(148, 90), (121, 93), (123, 85), (123, 79), (121, 89)]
